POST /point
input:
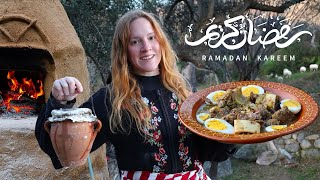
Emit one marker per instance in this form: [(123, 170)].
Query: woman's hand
[(66, 89)]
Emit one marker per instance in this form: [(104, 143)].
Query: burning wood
[(2, 105), (23, 106), (23, 97)]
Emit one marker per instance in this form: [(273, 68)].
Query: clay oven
[(38, 44)]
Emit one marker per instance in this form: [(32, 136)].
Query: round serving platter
[(306, 116)]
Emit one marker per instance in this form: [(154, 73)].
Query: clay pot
[(71, 140)]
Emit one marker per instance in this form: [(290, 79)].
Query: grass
[(307, 81), (308, 169), (309, 173)]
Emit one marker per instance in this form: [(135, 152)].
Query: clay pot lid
[(73, 114)]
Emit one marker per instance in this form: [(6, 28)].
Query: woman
[(139, 108)]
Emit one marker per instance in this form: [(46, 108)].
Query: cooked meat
[(227, 99), (264, 113), (249, 116), (283, 115), (230, 117), (253, 97), (219, 112)]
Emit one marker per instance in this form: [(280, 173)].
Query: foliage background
[(94, 22)]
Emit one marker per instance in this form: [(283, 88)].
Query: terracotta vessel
[(72, 132)]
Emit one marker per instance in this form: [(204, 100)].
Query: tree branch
[(253, 4), (95, 61), (174, 5), (186, 58), (279, 9)]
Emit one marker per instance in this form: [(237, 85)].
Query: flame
[(14, 83), (27, 87)]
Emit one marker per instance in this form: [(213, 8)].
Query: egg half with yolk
[(215, 96), (275, 127), (219, 125), (246, 90), (293, 105), (202, 117)]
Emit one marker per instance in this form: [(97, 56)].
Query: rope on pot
[(90, 168)]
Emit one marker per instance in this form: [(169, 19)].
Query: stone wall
[(300, 145)]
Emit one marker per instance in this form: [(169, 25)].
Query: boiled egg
[(293, 105), (219, 125), (202, 117), (215, 96), (275, 127), (246, 90)]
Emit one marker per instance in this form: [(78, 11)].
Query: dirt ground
[(21, 157), (307, 169)]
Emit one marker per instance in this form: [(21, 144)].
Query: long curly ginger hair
[(125, 92)]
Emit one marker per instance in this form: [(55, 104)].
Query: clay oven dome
[(40, 34)]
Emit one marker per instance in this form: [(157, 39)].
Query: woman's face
[(144, 48)]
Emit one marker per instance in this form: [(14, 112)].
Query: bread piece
[(246, 127)]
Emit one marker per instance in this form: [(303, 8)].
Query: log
[(3, 107), (26, 106)]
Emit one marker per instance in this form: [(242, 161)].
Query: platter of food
[(246, 112)]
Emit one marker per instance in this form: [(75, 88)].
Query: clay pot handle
[(97, 125), (47, 126)]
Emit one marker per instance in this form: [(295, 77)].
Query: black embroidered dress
[(171, 149)]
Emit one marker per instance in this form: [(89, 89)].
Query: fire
[(26, 87), (14, 83)]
